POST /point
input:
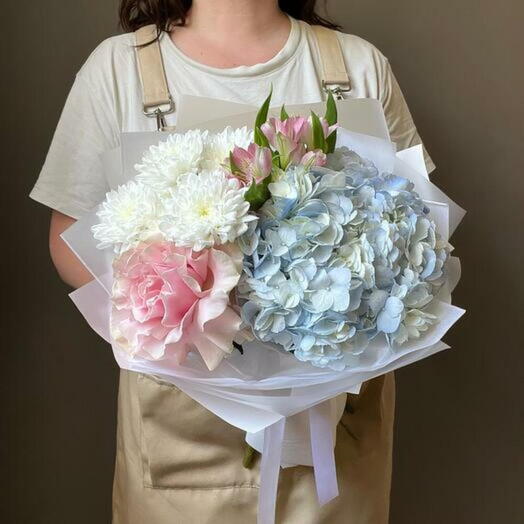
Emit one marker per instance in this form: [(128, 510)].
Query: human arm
[(72, 180), (68, 266), (398, 116)]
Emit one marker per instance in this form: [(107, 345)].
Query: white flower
[(357, 255), (415, 323), (218, 146), (127, 216), (163, 164), (205, 209)]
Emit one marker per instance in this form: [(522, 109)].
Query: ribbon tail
[(269, 472), (322, 450)]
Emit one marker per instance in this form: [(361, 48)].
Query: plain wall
[(458, 453), (460, 416)]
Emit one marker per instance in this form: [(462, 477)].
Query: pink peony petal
[(167, 300), (217, 340)]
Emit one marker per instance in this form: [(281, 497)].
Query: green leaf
[(331, 142), (331, 115), (257, 194), (263, 111), (283, 113), (275, 157), (319, 142), (260, 139), (331, 118)]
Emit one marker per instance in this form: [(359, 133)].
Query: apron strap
[(335, 77), (156, 99), (158, 102)]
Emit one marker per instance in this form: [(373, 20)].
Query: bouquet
[(267, 271)]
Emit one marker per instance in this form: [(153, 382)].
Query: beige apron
[(177, 463)]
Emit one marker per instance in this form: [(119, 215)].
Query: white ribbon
[(322, 450), (269, 471)]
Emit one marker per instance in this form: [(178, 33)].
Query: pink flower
[(254, 163), (293, 128), (286, 137), (293, 139), (307, 134), (167, 301), (315, 157)]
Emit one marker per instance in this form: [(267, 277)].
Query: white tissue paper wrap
[(288, 408)]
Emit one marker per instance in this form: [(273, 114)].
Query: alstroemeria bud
[(307, 135), (263, 162), (314, 158)]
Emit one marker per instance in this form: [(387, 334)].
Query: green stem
[(249, 455)]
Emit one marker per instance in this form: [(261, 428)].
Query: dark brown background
[(459, 456)]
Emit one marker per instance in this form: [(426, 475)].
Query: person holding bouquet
[(176, 461)]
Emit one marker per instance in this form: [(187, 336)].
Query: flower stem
[(249, 455)]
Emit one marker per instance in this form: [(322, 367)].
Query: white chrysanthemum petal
[(164, 163), (127, 216), (205, 209), (218, 146)]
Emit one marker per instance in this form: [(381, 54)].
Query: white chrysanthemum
[(205, 209), (128, 215), (164, 163), (218, 146)]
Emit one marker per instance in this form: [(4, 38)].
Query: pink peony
[(167, 301)]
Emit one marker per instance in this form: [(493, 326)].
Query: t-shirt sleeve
[(400, 122), (72, 180)]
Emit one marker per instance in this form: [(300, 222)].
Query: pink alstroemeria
[(312, 158), (307, 135), (292, 128), (254, 163), (293, 139), (286, 137)]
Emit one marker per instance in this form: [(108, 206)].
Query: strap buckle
[(336, 89), (159, 112)]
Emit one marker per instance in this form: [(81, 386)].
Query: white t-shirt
[(105, 100)]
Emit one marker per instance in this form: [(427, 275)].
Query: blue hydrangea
[(338, 255)]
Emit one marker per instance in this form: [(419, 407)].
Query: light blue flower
[(339, 255), (329, 290), (388, 320)]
